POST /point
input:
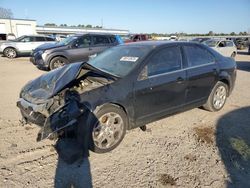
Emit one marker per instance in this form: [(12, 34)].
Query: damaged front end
[(52, 101)]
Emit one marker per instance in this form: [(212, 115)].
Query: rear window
[(100, 40), (198, 56)]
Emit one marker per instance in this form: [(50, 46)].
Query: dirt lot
[(192, 149)]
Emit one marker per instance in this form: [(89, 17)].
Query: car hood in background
[(48, 46), (44, 87)]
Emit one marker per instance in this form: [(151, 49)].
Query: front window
[(27, 39), (67, 40), (164, 61), (120, 60)]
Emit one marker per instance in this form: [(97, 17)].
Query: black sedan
[(126, 87)]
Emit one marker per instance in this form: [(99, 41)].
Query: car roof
[(157, 43), (219, 40), (36, 36)]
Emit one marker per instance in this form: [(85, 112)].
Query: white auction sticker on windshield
[(127, 58)]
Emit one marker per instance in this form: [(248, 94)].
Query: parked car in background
[(137, 37), (23, 45), (173, 38), (200, 40), (72, 49), (126, 87), (241, 43), (224, 47)]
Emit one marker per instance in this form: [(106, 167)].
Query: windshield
[(211, 43), (120, 60), (18, 39), (67, 40)]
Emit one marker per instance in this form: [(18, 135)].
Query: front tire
[(107, 129), (58, 62), (10, 53), (217, 97)]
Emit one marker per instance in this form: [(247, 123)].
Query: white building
[(20, 27)]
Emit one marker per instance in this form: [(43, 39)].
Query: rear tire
[(57, 62), (217, 97), (104, 130), (10, 53)]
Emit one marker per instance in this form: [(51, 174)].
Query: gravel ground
[(191, 149)]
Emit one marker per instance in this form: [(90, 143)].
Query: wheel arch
[(226, 80), (11, 47), (57, 55)]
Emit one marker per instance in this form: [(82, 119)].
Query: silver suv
[(23, 45)]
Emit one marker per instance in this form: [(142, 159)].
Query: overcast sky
[(160, 16)]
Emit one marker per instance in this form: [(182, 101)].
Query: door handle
[(179, 80)]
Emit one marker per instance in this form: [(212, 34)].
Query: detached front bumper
[(60, 119)]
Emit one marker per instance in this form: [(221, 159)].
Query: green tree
[(210, 33), (5, 13)]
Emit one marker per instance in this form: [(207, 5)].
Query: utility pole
[(10, 26)]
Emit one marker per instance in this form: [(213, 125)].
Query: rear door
[(161, 86), (202, 73)]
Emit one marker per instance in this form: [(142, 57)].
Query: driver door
[(26, 44), (161, 86)]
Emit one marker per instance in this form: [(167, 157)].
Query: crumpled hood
[(46, 86)]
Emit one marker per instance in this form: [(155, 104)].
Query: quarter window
[(165, 60), (197, 56)]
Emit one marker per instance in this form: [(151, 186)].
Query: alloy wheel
[(220, 96), (108, 130)]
